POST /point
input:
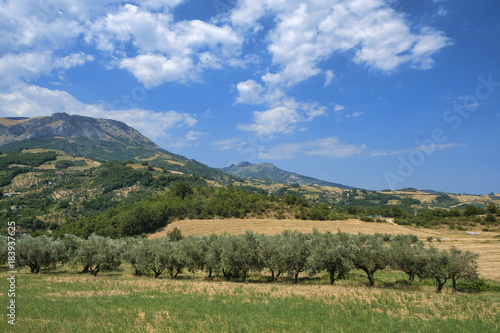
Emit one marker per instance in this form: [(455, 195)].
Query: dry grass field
[(485, 244)]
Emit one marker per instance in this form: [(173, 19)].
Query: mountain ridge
[(95, 138), (270, 172), (71, 126)]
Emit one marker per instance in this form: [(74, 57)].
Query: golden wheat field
[(485, 244)]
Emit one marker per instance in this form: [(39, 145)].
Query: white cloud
[(228, 144), (154, 69), (354, 114), (32, 65), (307, 33), (273, 121), (187, 141), (166, 50), (281, 152), (338, 108), (250, 92), (328, 78), (441, 11), (423, 148), (330, 147)]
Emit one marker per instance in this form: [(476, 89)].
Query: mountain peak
[(271, 172), (71, 126)]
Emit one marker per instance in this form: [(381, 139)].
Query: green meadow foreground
[(65, 301)]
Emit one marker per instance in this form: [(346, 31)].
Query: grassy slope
[(64, 301)]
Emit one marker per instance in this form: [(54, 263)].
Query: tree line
[(236, 256)]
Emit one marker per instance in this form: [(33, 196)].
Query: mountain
[(271, 172), (101, 139), (71, 126)]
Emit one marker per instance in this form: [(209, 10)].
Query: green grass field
[(65, 301)]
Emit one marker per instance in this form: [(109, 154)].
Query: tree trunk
[(332, 277), (454, 283), (243, 278), (440, 284), (157, 274), (272, 274), (371, 280), (296, 277), (210, 273), (412, 277), (85, 269)]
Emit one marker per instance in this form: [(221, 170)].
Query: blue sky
[(369, 93)]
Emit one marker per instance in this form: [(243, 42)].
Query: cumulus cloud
[(307, 33), (273, 121), (154, 69), (145, 38), (250, 92), (370, 32), (330, 147), (166, 50)]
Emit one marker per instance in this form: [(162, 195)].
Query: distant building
[(11, 194), (473, 233)]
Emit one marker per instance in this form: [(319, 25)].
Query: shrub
[(476, 286)]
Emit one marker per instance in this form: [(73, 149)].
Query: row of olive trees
[(235, 256)]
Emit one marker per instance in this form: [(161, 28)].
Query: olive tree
[(97, 252), (191, 251), (145, 256), (334, 253), (250, 253), (38, 252), (71, 245), (212, 256), (407, 257), (372, 255), (173, 258), (437, 266), (130, 254), (294, 252), (230, 260), (272, 256), (462, 265)]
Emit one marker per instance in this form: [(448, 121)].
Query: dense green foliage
[(29, 159), (235, 256)]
